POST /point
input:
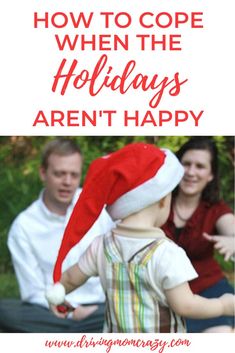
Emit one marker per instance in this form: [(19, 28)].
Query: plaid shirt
[(132, 305)]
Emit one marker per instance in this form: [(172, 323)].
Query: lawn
[(8, 286)]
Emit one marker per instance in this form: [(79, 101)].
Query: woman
[(196, 216)]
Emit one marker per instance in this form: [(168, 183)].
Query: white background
[(30, 57)]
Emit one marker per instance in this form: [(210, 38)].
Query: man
[(34, 240)]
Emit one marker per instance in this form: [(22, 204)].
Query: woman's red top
[(199, 250)]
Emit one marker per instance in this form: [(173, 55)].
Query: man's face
[(61, 179)]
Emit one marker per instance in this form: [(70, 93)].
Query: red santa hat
[(125, 181)]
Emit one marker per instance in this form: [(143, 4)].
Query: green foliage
[(20, 160), (226, 167)]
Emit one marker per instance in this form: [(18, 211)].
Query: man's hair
[(61, 147)]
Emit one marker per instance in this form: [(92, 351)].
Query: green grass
[(8, 286)]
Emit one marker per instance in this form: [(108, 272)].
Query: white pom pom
[(56, 294)]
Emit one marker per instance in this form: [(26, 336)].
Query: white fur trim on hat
[(56, 294), (153, 190)]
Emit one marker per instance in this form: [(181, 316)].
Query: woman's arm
[(225, 242), (183, 302), (225, 224)]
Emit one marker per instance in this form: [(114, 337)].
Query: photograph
[(126, 234)]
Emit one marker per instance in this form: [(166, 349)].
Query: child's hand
[(62, 310), (57, 312), (228, 302), (81, 312)]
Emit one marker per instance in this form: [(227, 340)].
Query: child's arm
[(70, 280), (73, 278), (186, 304)]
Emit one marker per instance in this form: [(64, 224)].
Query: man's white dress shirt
[(34, 240)]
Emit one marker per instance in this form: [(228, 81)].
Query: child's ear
[(162, 202)]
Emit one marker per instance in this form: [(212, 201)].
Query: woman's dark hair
[(211, 191)]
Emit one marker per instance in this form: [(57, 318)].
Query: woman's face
[(198, 173)]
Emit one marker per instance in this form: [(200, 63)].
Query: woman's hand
[(223, 243)]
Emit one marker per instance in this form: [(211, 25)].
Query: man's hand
[(223, 243)]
